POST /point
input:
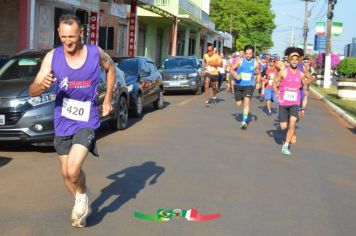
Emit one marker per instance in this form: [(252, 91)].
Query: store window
[(106, 38)]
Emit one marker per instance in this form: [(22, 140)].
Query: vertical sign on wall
[(132, 28), (93, 27)]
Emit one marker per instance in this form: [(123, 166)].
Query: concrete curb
[(336, 108)]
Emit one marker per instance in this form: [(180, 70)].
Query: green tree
[(249, 21)]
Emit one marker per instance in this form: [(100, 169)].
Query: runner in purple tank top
[(287, 90), (74, 69)]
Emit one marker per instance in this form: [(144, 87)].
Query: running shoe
[(286, 151), (81, 210), (214, 100), (243, 125), (269, 113), (207, 103)]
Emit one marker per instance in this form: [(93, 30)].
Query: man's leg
[(291, 129), (68, 183), (215, 90), (81, 209), (207, 85), (76, 158)]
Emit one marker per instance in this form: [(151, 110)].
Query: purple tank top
[(75, 106), (289, 88)]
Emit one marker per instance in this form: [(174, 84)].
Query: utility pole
[(306, 28), (327, 69)]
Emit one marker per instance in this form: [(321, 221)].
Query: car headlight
[(129, 88), (42, 99), (192, 75), (17, 102)]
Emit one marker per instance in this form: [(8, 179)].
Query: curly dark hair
[(247, 47), (291, 50)]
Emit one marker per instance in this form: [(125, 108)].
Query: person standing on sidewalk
[(244, 71), (287, 90), (74, 69), (211, 61)]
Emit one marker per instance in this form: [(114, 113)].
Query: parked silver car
[(30, 119)]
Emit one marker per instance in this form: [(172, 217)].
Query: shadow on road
[(19, 147), (352, 130), (4, 161), (126, 185), (251, 117), (265, 110)]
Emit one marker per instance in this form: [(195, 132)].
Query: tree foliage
[(250, 21)]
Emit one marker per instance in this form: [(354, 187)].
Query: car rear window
[(21, 68), (128, 66)]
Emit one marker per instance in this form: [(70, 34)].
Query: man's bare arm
[(44, 78), (234, 67), (277, 81), (308, 75), (110, 68)]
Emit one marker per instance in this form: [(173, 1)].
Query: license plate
[(2, 119), (174, 84)]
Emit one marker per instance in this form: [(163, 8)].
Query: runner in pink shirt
[(287, 90)]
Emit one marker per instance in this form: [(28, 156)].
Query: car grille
[(12, 135), (175, 77), (12, 118)]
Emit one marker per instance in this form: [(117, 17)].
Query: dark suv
[(144, 83), (182, 73), (30, 119)]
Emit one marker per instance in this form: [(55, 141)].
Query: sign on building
[(93, 27)]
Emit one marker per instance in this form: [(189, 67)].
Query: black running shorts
[(285, 112), (243, 91), (85, 137), (213, 78)]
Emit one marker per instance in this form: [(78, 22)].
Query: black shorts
[(243, 91), (285, 112), (213, 78), (85, 137)]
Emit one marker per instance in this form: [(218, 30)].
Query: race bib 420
[(76, 110)]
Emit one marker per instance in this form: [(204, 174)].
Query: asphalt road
[(189, 156)]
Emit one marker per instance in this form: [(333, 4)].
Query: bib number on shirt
[(290, 96), (210, 68), (246, 76), (76, 110)]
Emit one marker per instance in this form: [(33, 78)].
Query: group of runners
[(75, 132), (285, 83)]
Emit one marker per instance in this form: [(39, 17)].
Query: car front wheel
[(120, 122), (138, 106), (159, 103)]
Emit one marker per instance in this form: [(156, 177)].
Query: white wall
[(206, 6)]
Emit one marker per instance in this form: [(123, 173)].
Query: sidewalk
[(339, 109)]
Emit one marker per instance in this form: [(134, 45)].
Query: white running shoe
[(81, 209)]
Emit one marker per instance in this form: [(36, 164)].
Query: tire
[(138, 107), (159, 103), (120, 122)]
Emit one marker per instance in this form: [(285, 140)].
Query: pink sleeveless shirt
[(289, 88)]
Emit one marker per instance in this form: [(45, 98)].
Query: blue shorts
[(269, 95)]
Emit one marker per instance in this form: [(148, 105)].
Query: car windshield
[(21, 68), (179, 63), (128, 66)]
